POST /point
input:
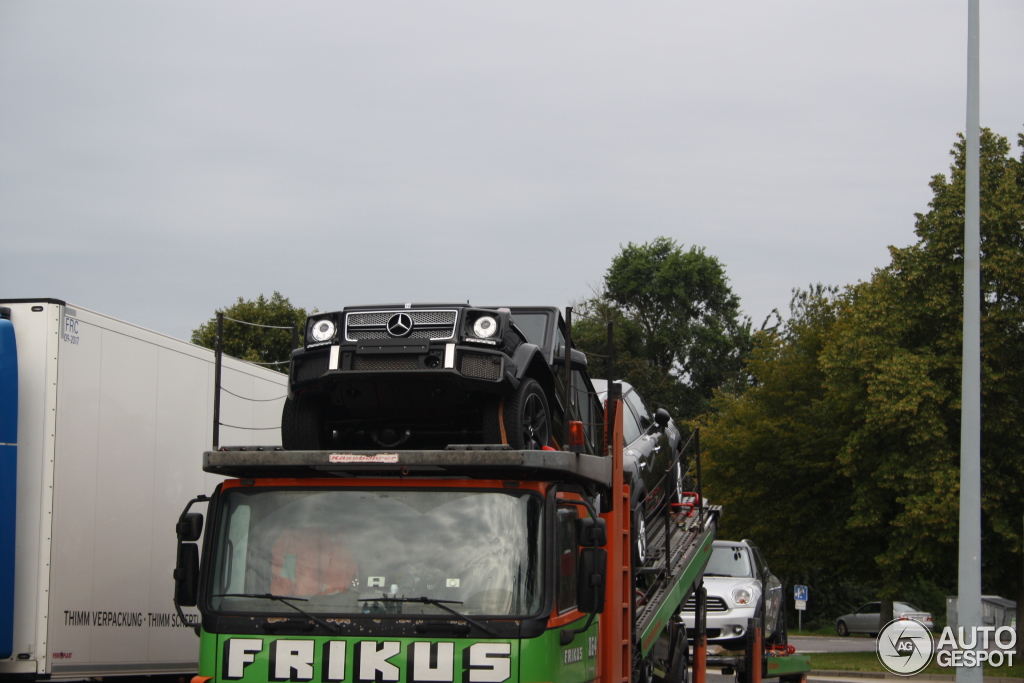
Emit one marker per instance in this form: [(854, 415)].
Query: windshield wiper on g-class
[(443, 604), (283, 598)]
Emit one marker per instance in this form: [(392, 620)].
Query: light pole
[(968, 603)]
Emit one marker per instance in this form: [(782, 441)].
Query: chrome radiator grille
[(426, 324)]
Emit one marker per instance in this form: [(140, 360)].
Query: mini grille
[(311, 368), (386, 362), (715, 604), (480, 365)]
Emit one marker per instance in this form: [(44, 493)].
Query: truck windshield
[(335, 548)]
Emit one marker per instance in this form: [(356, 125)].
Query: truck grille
[(426, 324), (312, 367), (482, 365), (715, 604)]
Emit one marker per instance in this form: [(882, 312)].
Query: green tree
[(773, 447), (678, 330), (850, 431), (894, 369), (251, 343)]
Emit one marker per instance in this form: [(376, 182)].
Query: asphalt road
[(811, 644)]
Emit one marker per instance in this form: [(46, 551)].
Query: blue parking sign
[(800, 593)]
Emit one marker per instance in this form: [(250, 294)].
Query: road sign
[(800, 593), (801, 605)]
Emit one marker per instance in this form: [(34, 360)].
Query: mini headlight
[(742, 596), (322, 331), (485, 327)]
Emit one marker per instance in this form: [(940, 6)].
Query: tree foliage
[(251, 343), (678, 330), (851, 431)]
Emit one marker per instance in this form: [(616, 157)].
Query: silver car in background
[(868, 617), (733, 582)]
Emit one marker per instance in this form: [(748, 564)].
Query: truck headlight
[(742, 595), (485, 327), (322, 331)]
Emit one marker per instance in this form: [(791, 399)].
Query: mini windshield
[(337, 548), (728, 561)]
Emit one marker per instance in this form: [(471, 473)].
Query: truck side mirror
[(591, 532), (190, 527), (591, 581), (186, 574)]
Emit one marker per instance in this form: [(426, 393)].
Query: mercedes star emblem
[(400, 325)]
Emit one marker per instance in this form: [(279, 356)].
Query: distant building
[(995, 611)]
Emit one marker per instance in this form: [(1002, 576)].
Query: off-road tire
[(302, 425), (528, 417)]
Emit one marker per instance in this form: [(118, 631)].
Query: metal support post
[(753, 656), (568, 378), (700, 637), (700, 481), (217, 353)]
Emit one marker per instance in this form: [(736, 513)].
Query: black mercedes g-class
[(431, 375)]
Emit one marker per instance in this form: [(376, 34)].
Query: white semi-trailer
[(101, 427)]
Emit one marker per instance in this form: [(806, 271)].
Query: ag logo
[(905, 647)]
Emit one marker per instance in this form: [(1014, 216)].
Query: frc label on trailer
[(326, 660), (70, 330)]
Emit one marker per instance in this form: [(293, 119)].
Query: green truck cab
[(474, 564)]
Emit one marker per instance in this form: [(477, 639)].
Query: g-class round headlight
[(742, 596), (322, 331), (485, 327)]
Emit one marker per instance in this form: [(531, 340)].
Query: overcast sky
[(160, 159)]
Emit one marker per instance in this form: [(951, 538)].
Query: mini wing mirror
[(661, 418), (190, 527)]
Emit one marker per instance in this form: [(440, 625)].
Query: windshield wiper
[(443, 604), (283, 598)]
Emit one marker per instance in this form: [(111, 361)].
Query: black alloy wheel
[(527, 418)]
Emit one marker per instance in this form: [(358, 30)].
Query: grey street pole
[(969, 582)]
